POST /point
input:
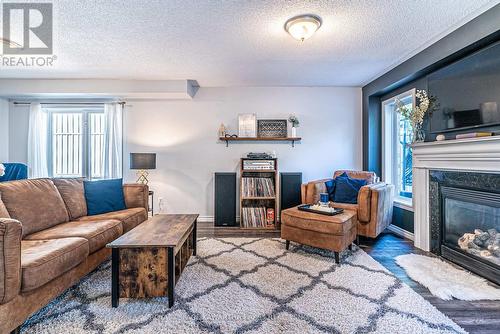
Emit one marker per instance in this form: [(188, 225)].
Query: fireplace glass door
[(471, 223)]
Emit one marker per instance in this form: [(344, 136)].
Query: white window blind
[(76, 142), (67, 144), (96, 130)]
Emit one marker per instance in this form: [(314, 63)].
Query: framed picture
[(272, 128), (247, 125)]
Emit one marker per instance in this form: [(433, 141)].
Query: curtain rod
[(83, 103)]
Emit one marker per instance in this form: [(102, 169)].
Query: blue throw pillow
[(104, 196), (347, 189), (330, 189), (344, 175)]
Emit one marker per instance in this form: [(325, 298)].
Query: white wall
[(4, 130), (18, 133), (184, 135)]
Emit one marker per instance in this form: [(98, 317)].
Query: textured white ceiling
[(242, 42)]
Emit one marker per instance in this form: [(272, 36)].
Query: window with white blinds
[(76, 143)]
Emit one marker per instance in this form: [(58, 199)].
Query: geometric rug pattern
[(249, 285)]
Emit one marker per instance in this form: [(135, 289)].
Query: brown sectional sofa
[(48, 243)]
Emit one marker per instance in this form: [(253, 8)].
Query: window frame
[(85, 111), (389, 147)]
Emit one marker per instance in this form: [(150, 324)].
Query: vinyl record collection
[(257, 187), (258, 193), (254, 216), (257, 216)]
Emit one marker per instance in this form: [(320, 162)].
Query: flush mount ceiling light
[(303, 26)]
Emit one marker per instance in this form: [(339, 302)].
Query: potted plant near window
[(295, 124), (415, 114)]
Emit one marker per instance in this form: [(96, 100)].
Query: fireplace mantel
[(473, 154)]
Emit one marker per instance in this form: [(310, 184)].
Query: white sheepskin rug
[(446, 281)]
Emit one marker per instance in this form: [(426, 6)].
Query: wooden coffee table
[(148, 260)]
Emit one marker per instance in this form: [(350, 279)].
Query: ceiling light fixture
[(10, 43), (303, 26)]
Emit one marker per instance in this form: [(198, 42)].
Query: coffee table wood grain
[(148, 260)]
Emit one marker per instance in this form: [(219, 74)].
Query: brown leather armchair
[(375, 201)]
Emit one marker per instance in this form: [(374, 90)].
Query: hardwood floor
[(474, 316)]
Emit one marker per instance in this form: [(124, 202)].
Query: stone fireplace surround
[(471, 227), (467, 155)]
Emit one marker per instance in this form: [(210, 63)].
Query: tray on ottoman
[(310, 208)]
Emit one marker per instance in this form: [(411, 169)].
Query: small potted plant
[(295, 124), (415, 114)]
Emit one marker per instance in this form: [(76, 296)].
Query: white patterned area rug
[(243, 285)]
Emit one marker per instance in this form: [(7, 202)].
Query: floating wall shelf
[(290, 139)]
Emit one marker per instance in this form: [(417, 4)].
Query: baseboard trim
[(401, 232), (210, 219), (206, 219)]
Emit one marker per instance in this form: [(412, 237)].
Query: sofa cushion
[(3, 210), (130, 218), (104, 196), (98, 233), (345, 206), (44, 260), (72, 193), (136, 195), (339, 224), (35, 203)]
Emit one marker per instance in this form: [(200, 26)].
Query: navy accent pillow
[(347, 189), (344, 174), (104, 196), (330, 188)]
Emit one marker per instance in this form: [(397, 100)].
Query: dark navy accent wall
[(474, 35), (403, 218)]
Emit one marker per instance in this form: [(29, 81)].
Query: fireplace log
[(483, 244)]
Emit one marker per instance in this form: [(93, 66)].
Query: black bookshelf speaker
[(225, 199), (290, 190)]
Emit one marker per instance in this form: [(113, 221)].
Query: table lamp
[(142, 162)]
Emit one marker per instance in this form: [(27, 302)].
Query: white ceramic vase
[(294, 132)]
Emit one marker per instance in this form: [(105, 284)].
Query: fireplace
[(465, 220)]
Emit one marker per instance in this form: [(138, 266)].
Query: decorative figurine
[(222, 130)]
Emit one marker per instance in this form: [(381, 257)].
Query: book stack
[(473, 135), (257, 187), (254, 216), (258, 165)]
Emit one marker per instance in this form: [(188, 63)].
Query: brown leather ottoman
[(335, 233)]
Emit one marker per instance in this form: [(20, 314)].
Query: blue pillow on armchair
[(347, 189), (104, 196), (330, 188)]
